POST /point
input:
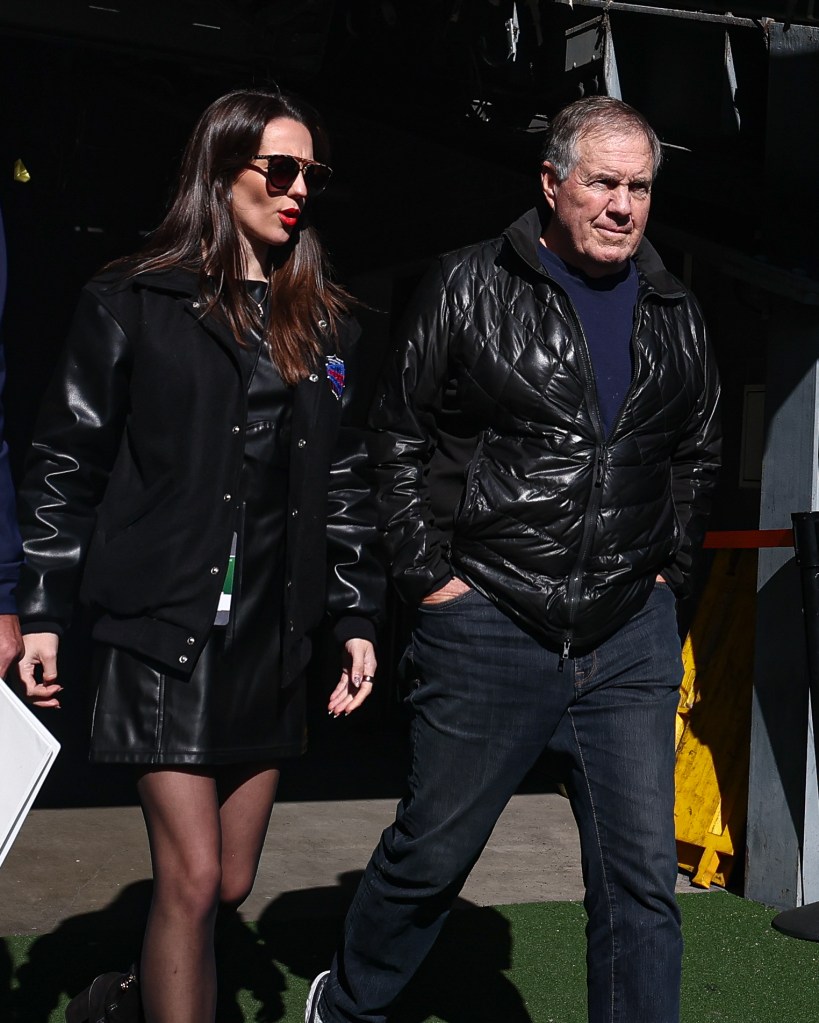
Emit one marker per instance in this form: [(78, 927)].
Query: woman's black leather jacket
[(493, 463), (130, 496)]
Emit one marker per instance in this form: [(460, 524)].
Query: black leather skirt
[(232, 708)]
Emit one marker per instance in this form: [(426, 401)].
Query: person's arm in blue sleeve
[(11, 548)]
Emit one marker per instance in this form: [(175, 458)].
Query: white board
[(27, 752)]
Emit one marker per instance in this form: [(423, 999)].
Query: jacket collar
[(176, 281), (523, 236), (184, 284)]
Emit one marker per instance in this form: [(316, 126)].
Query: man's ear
[(549, 182)]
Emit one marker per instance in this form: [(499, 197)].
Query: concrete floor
[(70, 862)]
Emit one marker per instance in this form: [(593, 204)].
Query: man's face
[(600, 210)]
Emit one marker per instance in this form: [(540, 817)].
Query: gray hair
[(594, 115)]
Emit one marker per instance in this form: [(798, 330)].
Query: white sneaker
[(311, 1013)]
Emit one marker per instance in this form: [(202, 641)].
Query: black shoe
[(109, 998)]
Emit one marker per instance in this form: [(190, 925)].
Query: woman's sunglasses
[(282, 171)]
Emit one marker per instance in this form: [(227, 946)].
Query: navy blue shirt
[(3, 271), (605, 308), (11, 552)]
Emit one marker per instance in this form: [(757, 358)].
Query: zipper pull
[(598, 479), (564, 654)]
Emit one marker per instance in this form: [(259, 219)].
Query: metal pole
[(803, 922), (806, 545)]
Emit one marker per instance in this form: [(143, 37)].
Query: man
[(11, 550), (580, 368)]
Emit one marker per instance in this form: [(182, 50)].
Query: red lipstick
[(289, 217)]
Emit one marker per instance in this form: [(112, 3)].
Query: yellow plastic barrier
[(714, 721)]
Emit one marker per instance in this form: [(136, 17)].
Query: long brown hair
[(200, 232)]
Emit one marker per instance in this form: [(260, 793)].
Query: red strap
[(749, 538)]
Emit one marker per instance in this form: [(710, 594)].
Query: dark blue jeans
[(488, 700)]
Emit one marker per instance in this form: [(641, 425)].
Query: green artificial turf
[(510, 964)]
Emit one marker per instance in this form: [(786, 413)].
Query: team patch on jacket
[(335, 374)]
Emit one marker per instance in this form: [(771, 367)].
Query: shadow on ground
[(6, 973), (463, 980), (61, 963)]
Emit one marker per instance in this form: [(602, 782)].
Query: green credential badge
[(226, 596)]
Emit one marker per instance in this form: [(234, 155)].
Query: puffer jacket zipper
[(595, 494), (643, 293), (600, 456)]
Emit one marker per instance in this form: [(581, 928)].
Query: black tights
[(206, 828)]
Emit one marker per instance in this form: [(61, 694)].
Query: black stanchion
[(803, 922)]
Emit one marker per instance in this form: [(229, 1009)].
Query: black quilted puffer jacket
[(493, 464)]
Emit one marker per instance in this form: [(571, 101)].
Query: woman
[(179, 485)]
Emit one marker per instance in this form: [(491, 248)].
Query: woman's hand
[(40, 650), (357, 676)]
